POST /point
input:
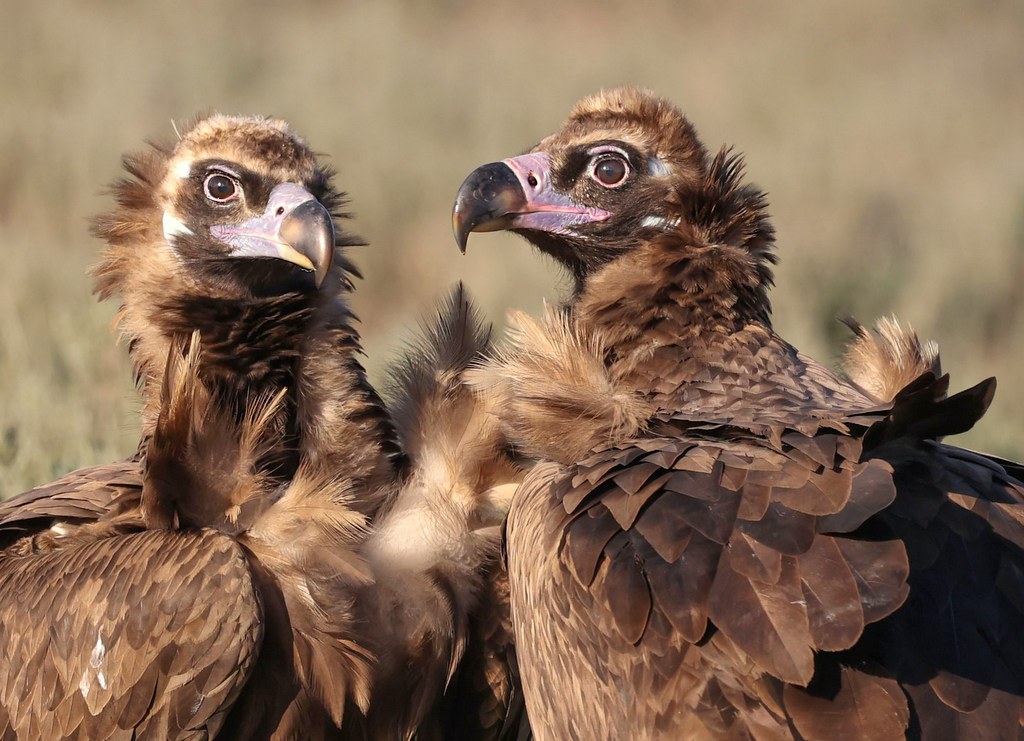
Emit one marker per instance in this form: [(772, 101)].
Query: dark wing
[(118, 637), (956, 646), (83, 495), (741, 526), (719, 575), (954, 649)]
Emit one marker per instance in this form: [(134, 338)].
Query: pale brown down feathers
[(885, 358), (432, 548), (552, 389), (309, 540), (435, 415)]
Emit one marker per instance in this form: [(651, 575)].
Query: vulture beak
[(516, 194), (294, 227)]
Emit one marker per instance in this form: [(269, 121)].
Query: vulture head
[(241, 210), (231, 232), (626, 181)]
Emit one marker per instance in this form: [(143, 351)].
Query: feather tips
[(202, 467), (205, 468), (884, 359), (308, 539)]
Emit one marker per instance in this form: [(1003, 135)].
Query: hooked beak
[(294, 227), (516, 194)]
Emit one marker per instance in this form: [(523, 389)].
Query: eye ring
[(220, 188), (609, 170)]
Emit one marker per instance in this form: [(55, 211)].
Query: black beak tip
[(486, 201), (460, 227), (320, 274)]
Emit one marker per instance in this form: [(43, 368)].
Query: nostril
[(532, 180)]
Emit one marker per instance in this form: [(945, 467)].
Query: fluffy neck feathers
[(704, 266), (553, 391)]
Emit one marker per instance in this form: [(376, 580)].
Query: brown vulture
[(722, 539), (270, 564)]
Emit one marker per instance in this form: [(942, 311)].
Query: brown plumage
[(236, 578), (722, 539), (269, 314)]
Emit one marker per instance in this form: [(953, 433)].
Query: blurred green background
[(889, 136)]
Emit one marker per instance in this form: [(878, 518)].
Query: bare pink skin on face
[(260, 236), (546, 209), (294, 227)]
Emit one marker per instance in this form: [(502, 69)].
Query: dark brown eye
[(220, 188), (610, 171)]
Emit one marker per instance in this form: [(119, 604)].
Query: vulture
[(720, 538), (284, 557)]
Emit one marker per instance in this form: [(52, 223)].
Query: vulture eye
[(609, 171), (220, 188)]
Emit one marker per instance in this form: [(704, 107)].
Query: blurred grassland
[(889, 136)]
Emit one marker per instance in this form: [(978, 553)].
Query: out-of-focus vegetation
[(890, 137)]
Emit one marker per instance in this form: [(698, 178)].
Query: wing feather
[(85, 494), (736, 536), (872, 709), (87, 658)]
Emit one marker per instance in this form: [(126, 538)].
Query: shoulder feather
[(884, 359)]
